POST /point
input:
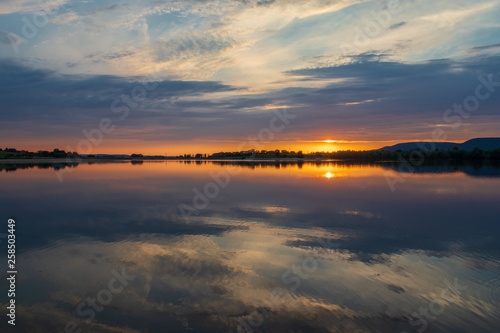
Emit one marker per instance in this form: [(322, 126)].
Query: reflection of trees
[(283, 164), (8, 167), (478, 168), (429, 166)]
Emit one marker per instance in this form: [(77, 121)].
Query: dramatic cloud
[(357, 70)]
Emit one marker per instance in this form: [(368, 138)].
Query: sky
[(172, 77)]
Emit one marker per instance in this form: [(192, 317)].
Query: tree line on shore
[(363, 155), (12, 153), (369, 155)]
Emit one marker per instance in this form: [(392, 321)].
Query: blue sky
[(352, 71)]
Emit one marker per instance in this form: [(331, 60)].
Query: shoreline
[(117, 160), (260, 160), (56, 160)]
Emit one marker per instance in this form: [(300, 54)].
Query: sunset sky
[(171, 77)]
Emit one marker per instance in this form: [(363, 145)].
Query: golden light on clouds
[(273, 107)]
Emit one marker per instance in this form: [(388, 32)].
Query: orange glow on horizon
[(176, 148)]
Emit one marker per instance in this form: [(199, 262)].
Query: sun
[(329, 175), (329, 141)]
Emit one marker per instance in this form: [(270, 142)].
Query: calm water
[(273, 248)]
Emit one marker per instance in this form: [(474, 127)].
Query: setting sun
[(171, 165), (329, 175)]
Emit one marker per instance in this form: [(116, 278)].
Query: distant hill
[(483, 143)]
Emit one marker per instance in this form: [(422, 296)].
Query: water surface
[(268, 247)]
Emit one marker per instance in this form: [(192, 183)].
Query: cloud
[(246, 43), (195, 281), (282, 52), (368, 95), (73, 98), (189, 39), (9, 38), (485, 47), (411, 95), (489, 47), (29, 6), (397, 25)]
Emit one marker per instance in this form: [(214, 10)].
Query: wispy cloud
[(226, 64)]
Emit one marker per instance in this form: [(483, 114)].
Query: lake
[(184, 246)]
